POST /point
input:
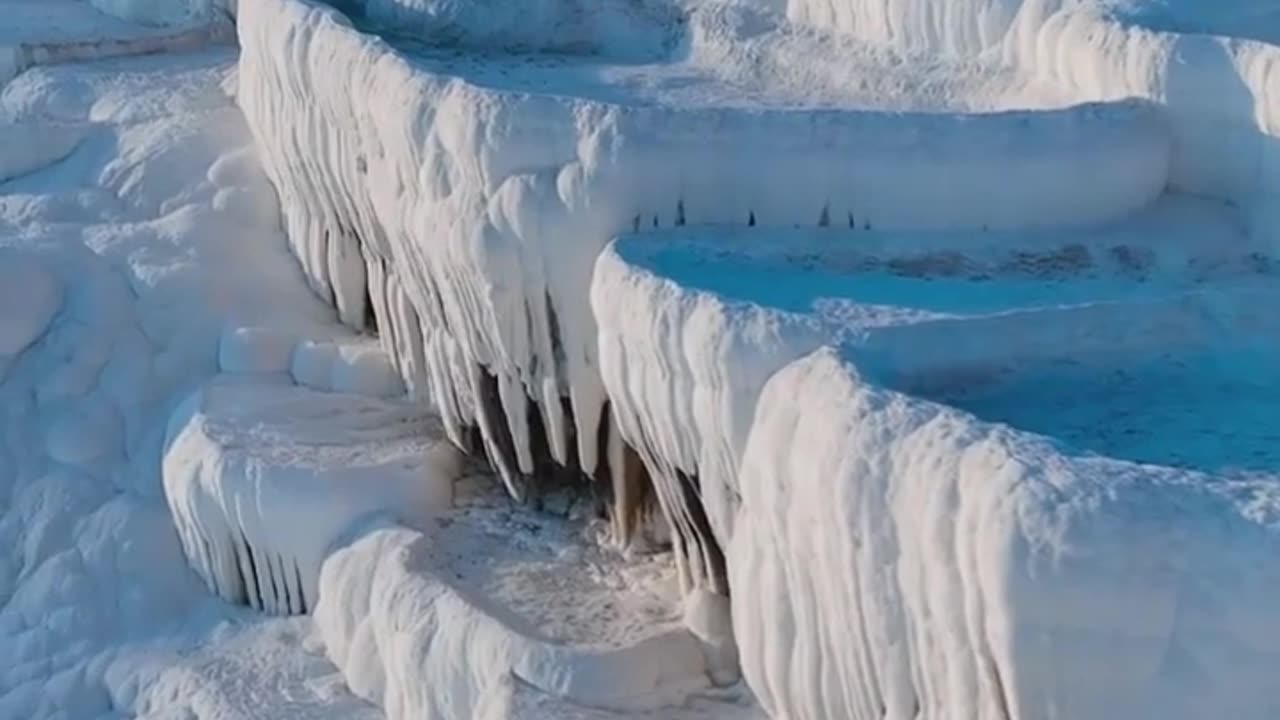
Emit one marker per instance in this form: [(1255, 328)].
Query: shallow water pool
[(1211, 411)]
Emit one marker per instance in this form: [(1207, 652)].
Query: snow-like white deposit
[(461, 205), (905, 560), (693, 321), (140, 255), (1014, 178), (262, 477), (422, 646), (119, 270), (459, 202)]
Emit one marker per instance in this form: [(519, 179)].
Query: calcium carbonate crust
[(960, 565)]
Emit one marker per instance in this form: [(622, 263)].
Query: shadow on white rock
[(30, 296)]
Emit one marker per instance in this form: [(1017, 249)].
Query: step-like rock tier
[(459, 204), (263, 477), (889, 556)]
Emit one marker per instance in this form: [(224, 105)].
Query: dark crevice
[(624, 495), (285, 604), (535, 361), (637, 499), (545, 469), (603, 474), (998, 687), (256, 598), (473, 441), (238, 594), (548, 473), (627, 496), (713, 557), (499, 446), (557, 344), (302, 593), (330, 291), (370, 314), (275, 589)]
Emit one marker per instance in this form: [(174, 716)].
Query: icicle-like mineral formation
[(464, 219), (262, 477)]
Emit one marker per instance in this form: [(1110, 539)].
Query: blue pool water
[(1215, 412)]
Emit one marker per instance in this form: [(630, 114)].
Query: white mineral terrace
[(853, 510), (586, 359), (464, 218), (453, 187)]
